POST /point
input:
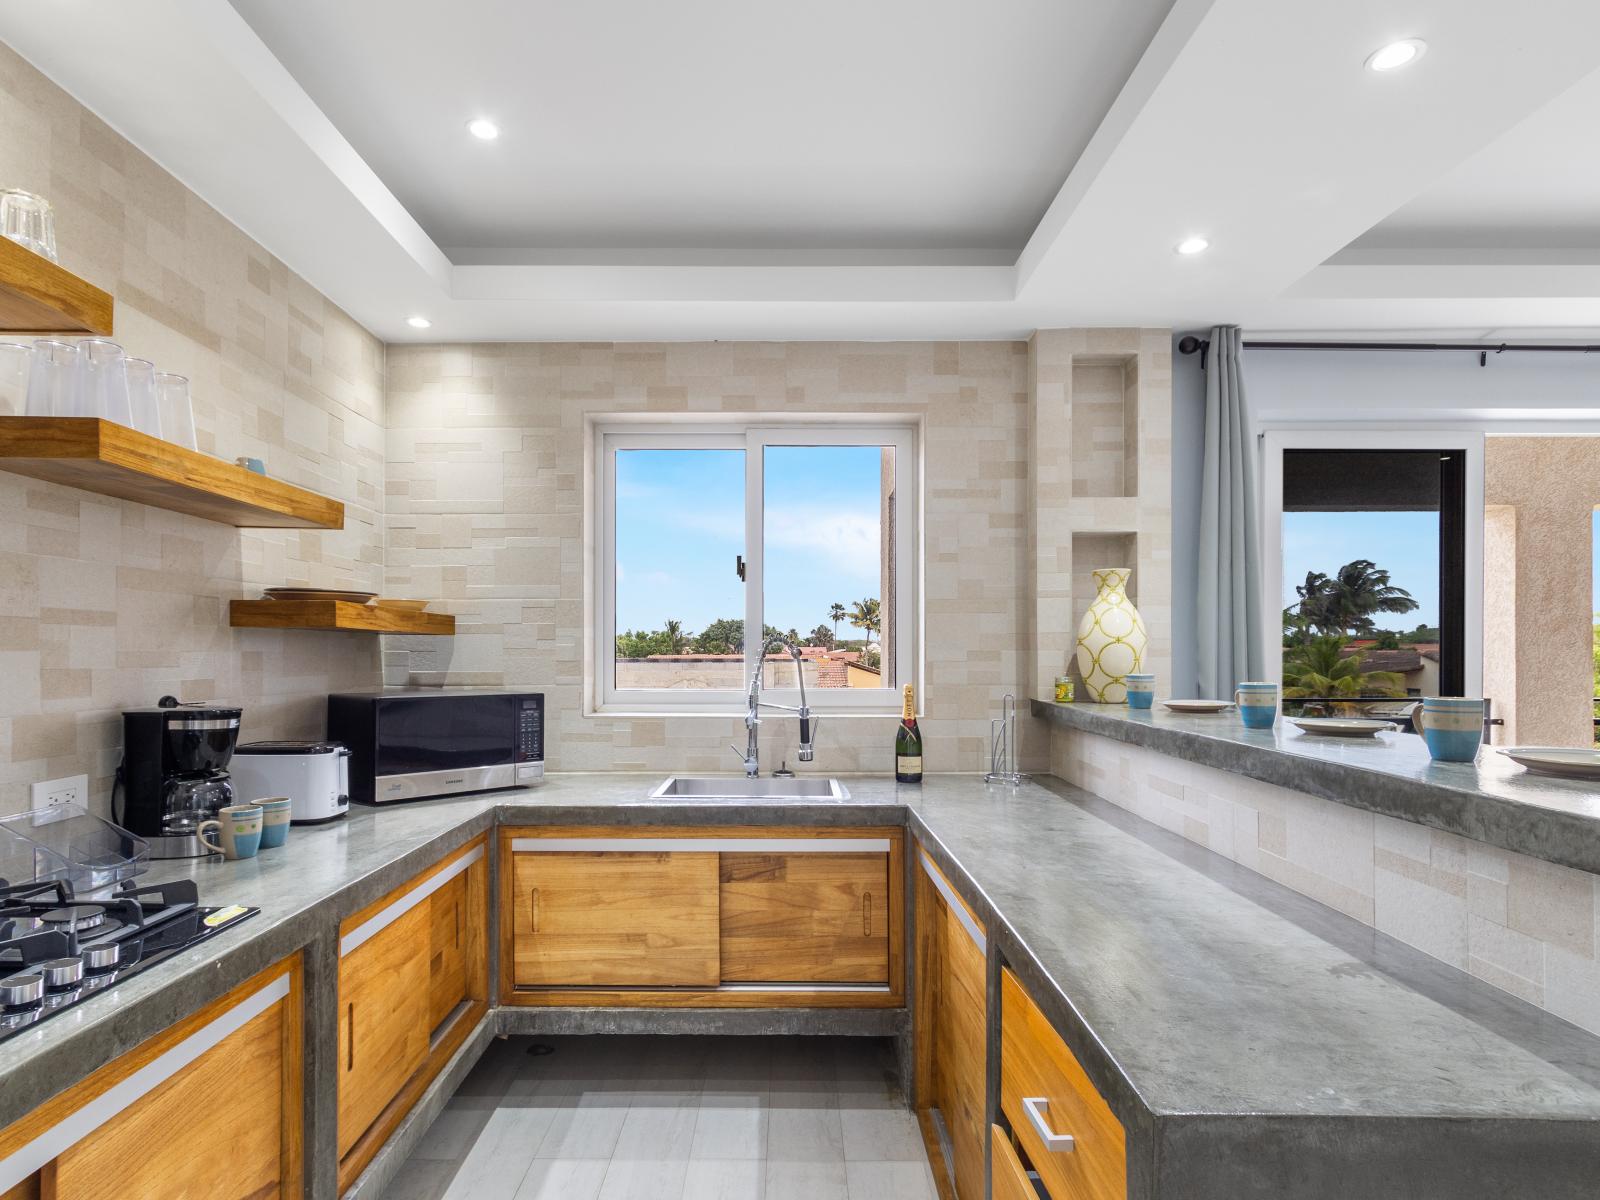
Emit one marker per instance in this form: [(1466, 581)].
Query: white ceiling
[(875, 171), (716, 124), (1537, 187)]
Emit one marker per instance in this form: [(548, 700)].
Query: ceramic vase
[(1111, 638)]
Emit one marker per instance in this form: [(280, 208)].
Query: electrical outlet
[(58, 792)]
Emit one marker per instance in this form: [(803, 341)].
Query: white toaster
[(314, 775)]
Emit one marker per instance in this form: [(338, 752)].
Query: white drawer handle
[(1035, 1107)]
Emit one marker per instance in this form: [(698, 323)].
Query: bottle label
[(906, 765), (910, 709)]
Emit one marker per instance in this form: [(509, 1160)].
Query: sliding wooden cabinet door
[(805, 918), (614, 919)]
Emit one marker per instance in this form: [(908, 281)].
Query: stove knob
[(102, 956), (20, 991), (61, 973)]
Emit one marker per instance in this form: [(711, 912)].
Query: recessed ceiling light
[(1192, 245), (1397, 54), (418, 322), (483, 129)]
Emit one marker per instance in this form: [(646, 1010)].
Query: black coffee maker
[(174, 773)]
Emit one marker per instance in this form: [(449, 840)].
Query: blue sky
[(680, 524), (1406, 544)]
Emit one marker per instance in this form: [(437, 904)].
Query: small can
[(1064, 689)]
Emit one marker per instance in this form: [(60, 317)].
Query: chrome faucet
[(752, 717)]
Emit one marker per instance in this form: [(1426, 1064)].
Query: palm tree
[(836, 614), (1346, 602), (677, 642), (1320, 667), (865, 614)]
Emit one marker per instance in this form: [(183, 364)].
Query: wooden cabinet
[(210, 1108), (1063, 1124), (383, 1020), (413, 983), (615, 919), (811, 918), (734, 916), (950, 1027), (1008, 1180), (450, 950)]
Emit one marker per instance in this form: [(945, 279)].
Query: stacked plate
[(305, 593), (1198, 706)]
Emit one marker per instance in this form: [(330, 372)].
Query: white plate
[(1349, 727), (1568, 762), (1198, 706)]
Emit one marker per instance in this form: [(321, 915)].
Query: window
[(805, 532), (1374, 563)]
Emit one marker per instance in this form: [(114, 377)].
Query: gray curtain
[(1228, 600)]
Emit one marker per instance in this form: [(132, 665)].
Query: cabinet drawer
[(614, 919), (1007, 1179), (1041, 1083), (805, 918)]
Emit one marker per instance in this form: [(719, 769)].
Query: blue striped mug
[(1258, 704), (1451, 725)]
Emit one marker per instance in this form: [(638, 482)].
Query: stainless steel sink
[(737, 787)]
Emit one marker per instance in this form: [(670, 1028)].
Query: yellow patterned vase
[(1111, 638)]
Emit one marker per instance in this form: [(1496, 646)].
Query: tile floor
[(675, 1118)]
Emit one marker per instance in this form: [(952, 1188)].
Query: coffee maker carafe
[(174, 772)]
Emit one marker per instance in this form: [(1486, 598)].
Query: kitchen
[(666, 942)]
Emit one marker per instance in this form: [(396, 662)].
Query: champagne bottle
[(908, 745)]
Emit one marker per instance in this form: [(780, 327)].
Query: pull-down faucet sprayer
[(752, 718)]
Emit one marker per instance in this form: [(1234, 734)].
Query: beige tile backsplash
[(1522, 924), (105, 604), (485, 506)]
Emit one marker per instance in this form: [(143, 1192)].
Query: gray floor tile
[(881, 1134), (806, 1181), (659, 1126), (640, 1179), (804, 1134), (420, 1179), (890, 1181), (563, 1179), (588, 1127), (724, 1179), (730, 1125), (496, 1162)]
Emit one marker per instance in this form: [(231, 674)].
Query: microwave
[(412, 743)]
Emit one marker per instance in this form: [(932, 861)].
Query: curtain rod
[(1191, 344)]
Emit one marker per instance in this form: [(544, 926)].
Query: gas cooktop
[(57, 950)]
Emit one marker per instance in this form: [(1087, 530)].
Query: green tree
[(1347, 601), (641, 644), (677, 642), (1320, 667), (722, 636), (822, 636), (836, 614), (865, 614)]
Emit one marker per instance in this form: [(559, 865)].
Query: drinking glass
[(53, 379), (15, 359), (28, 219), (177, 410), (103, 382), (141, 376)]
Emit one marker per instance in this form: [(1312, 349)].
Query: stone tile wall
[(1522, 924), (486, 466), (106, 604)]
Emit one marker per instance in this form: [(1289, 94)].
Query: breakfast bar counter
[(1492, 800)]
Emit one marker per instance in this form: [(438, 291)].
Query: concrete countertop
[(1243, 1034), (1492, 800)]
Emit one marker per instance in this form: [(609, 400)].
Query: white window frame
[(1275, 441), (752, 436)]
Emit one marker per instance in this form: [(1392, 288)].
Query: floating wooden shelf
[(335, 615), (37, 296), (113, 460)]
